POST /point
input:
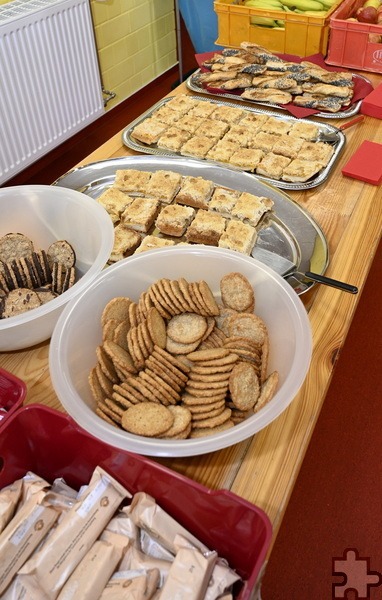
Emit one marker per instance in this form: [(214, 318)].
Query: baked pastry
[(223, 200), (174, 219), (278, 126), (288, 145), (246, 158), (238, 134), (213, 129), (173, 139), (166, 115), (228, 114), (148, 131), (222, 151), (151, 242), (307, 131), (140, 214), (272, 165), (238, 236), (300, 170), (182, 103), (115, 202), (316, 151), (132, 181), (250, 208), (164, 185), (125, 242), (195, 192), (206, 228), (198, 146), (264, 141), (189, 123)]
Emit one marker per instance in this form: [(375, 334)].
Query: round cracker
[(186, 328), (148, 419), (244, 386), (237, 292)]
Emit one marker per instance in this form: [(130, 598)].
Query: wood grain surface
[(263, 469)]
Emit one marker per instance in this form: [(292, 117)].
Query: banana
[(263, 21), (269, 4), (304, 4)]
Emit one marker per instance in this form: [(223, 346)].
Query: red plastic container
[(12, 394), (47, 442), (349, 42)]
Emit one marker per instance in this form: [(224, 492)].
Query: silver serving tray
[(353, 109), (291, 233), (130, 142)]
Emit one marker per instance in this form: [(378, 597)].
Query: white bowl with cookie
[(181, 351), (53, 243)]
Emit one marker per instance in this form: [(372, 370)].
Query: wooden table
[(263, 468)]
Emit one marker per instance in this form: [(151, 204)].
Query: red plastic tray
[(47, 442), (12, 394)]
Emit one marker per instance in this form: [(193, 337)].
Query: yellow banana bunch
[(317, 8)]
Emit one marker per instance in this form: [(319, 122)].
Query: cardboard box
[(49, 443), (349, 41), (302, 35)]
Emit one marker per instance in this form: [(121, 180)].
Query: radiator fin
[(50, 84)]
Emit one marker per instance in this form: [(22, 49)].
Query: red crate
[(349, 42), (12, 394), (49, 443)]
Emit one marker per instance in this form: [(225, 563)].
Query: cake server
[(285, 267)]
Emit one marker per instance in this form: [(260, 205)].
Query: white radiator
[(50, 85)]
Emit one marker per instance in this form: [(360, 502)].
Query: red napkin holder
[(372, 104), (366, 163)]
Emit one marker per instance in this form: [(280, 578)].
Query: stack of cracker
[(176, 364)]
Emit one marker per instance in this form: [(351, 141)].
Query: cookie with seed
[(108, 329), (214, 412), (138, 384), (95, 386), (161, 366), (215, 421), (208, 298), (115, 406), (69, 279), (168, 392), (122, 400), (19, 301), (159, 303), (106, 365), (57, 277), (109, 412), (197, 298), (179, 348), (186, 328), (120, 332), (156, 326), (105, 417), (190, 400), (268, 390), (206, 431), (247, 325), (163, 354), (105, 383), (124, 390), (244, 386), (148, 419), (45, 294), (213, 354), (201, 408), (146, 336), (167, 298), (237, 292), (133, 314), (175, 299), (117, 309), (62, 252), (181, 424), (185, 289), (15, 245), (178, 294), (120, 357)]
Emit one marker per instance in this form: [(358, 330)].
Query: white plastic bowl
[(78, 332), (46, 214)]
